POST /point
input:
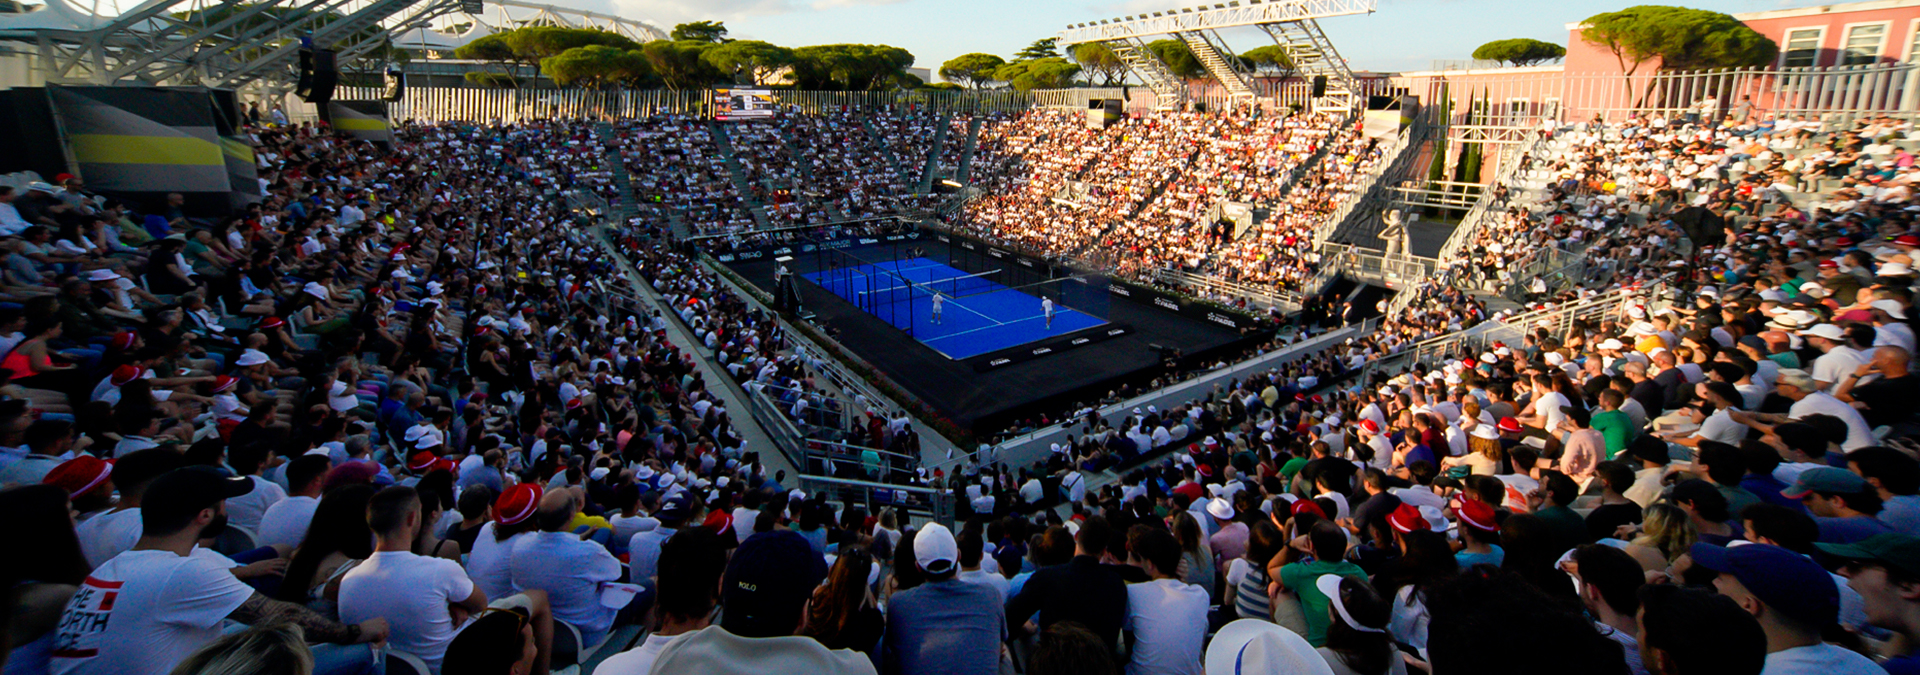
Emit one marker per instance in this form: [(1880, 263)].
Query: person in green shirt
[(1617, 426), (1292, 468), (1327, 543)]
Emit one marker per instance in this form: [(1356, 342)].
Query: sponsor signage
[(1029, 352), (759, 252), (1203, 311)]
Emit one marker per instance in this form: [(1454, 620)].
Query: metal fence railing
[(440, 104)]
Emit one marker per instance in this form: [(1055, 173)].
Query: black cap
[(187, 491), (768, 582), (1650, 448), (137, 468)]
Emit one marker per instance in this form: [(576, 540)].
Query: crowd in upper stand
[(399, 403)]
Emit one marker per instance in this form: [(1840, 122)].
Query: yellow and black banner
[(365, 120), (142, 139)]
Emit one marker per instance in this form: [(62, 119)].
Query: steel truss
[(1291, 24)]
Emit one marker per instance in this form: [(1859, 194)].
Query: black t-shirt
[(1607, 519), (1338, 471), (1889, 400), (1651, 396)]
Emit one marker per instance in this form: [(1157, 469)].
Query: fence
[(438, 104), (1837, 94), (1269, 91)]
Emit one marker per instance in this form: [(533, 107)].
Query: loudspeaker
[(319, 72), (1319, 86), (396, 84), (303, 87)]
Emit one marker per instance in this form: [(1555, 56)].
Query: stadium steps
[(929, 172), (879, 147), (966, 153), (724, 143)]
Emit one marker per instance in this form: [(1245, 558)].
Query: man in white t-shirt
[(1837, 358), (1168, 617), (285, 522), (643, 548), (246, 510), (1800, 387), (146, 610), (569, 569), (109, 534), (1545, 411), (417, 595)]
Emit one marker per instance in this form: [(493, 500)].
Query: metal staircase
[(1212, 52), (965, 168), (724, 144), (1168, 88), (930, 170), (1314, 56)]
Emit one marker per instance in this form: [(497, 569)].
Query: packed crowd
[(678, 172)]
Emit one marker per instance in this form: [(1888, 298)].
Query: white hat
[(102, 274), (1260, 647), (1814, 290), (1435, 518), (1611, 343), (1485, 431), (251, 357), (1219, 507), (1825, 330), (1640, 329), (1774, 295), (797, 493), (599, 472), (1891, 307), (314, 289), (935, 550), (645, 473), (1894, 269)]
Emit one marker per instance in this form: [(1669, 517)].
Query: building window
[(1802, 48), (1863, 44), (1913, 44)]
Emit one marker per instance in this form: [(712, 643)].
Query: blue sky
[(1401, 35)]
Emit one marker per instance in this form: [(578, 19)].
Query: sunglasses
[(519, 615)]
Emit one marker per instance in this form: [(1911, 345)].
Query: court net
[(951, 287)]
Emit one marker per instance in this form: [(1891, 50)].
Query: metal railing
[(922, 503), (1399, 272), (1483, 211), (1221, 290)]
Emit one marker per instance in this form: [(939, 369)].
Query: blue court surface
[(979, 315)]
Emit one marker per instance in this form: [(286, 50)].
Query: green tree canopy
[(597, 66), (1681, 38), (1046, 48), (680, 64), (540, 42), (700, 31), (1053, 73), (1178, 57), (1520, 51), (851, 67), (754, 59), (1096, 58), (1270, 60), (972, 70)]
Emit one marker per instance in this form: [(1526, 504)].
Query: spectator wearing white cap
[(1229, 538), (1890, 325), (1837, 357), (943, 625), (1798, 386)]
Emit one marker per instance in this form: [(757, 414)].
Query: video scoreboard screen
[(742, 104)]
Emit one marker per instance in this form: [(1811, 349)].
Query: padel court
[(979, 314)]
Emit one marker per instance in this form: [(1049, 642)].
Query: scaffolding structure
[(1292, 24)]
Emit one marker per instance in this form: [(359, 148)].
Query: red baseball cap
[(80, 474), (1907, 240), (1308, 506), (1477, 515), (1407, 518), (1371, 426), (224, 383), (273, 322), (1829, 264), (124, 339), (517, 503), (421, 461), (124, 374)]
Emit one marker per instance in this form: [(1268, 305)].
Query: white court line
[(1056, 315)]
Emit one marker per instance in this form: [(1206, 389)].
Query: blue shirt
[(1469, 559), (1849, 530), (1768, 488), (1902, 513), (944, 627)]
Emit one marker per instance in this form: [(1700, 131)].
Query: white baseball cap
[(935, 550)]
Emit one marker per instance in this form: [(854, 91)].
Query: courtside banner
[(1218, 315), (752, 253), (1034, 350)]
